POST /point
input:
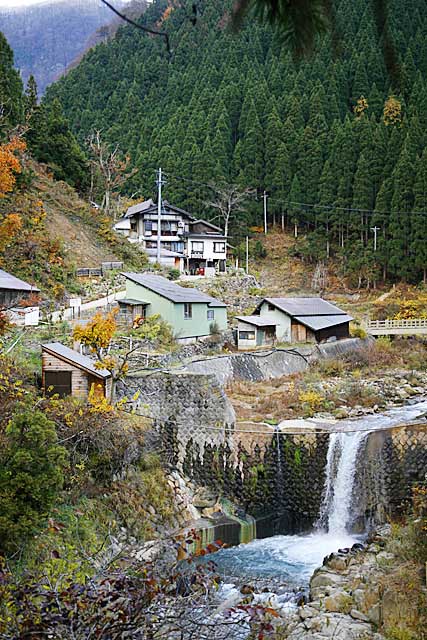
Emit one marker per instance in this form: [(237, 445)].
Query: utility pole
[(247, 255), (375, 230), (264, 195), (159, 214)]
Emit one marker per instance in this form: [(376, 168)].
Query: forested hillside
[(48, 36), (330, 131), (46, 229)]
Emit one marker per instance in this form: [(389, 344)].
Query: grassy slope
[(69, 235), (282, 274), (68, 219)]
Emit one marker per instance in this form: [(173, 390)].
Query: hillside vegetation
[(56, 233), (338, 147)]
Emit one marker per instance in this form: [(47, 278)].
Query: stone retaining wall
[(260, 469)]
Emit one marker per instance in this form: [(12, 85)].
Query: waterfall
[(336, 510)]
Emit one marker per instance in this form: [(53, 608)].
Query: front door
[(259, 337), (57, 382)]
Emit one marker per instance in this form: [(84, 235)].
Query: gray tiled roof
[(322, 322), (139, 208), (150, 206), (8, 281), (172, 291), (304, 306), (258, 321), (75, 358)]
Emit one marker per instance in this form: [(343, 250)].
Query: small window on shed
[(188, 310), (57, 383), (271, 307), (246, 335), (211, 314)]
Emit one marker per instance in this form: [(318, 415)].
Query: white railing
[(397, 324)]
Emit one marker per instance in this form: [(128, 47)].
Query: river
[(285, 563)]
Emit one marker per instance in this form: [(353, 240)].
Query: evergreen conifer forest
[(336, 142)]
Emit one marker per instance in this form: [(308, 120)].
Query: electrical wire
[(306, 205)]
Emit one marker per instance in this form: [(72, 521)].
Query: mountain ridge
[(48, 36)]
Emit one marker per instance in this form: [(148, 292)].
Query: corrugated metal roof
[(322, 322), (133, 303), (209, 224), (75, 358), (172, 291), (304, 306), (213, 236), (258, 321), (8, 281)]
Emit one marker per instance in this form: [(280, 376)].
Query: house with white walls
[(192, 245), (292, 320)]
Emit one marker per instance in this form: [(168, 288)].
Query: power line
[(153, 32), (308, 205)]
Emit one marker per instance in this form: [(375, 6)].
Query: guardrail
[(397, 324), (97, 272)]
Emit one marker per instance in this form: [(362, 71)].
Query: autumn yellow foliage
[(10, 164), (416, 308), (392, 113), (361, 106), (98, 333)]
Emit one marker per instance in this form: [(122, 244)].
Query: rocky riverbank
[(326, 397), (352, 596), (349, 595)]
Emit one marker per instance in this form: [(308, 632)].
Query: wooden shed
[(14, 291), (255, 331), (67, 372), (131, 309)]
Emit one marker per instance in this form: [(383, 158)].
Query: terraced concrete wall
[(264, 365), (392, 462), (277, 477)]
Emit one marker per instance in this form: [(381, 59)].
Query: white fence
[(411, 326)]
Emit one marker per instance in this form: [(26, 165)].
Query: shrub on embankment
[(73, 475)]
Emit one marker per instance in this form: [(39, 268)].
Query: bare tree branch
[(228, 201), (153, 32)]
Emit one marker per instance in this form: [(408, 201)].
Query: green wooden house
[(191, 313)]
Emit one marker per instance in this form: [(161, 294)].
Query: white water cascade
[(336, 510), (291, 559)]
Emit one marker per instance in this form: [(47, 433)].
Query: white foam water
[(292, 559)]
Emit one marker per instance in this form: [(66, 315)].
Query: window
[(148, 225), (211, 314), (271, 307), (57, 382), (188, 310), (197, 247), (219, 247), (246, 335)]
